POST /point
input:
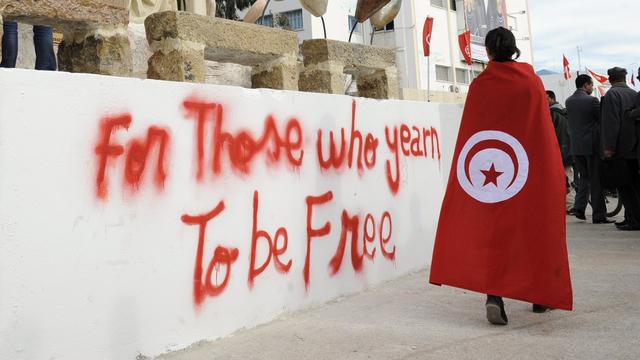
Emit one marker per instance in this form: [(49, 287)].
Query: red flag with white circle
[(502, 227), (464, 40), (427, 30)]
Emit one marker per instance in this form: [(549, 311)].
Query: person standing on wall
[(584, 128), (42, 41), (502, 228), (620, 144), (559, 118)]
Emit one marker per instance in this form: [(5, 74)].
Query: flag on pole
[(602, 79), (426, 35), (464, 40), (566, 70)]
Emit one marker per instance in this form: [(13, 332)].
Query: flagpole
[(429, 71), (579, 59), (429, 78)]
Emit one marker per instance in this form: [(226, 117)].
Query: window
[(443, 4), (389, 27), (294, 18), (443, 73), (352, 20), (462, 76), (266, 20)]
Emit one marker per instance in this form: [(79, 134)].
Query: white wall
[(90, 277), (562, 88)]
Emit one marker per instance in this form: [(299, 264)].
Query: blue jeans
[(42, 41)]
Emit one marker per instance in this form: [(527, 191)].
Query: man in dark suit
[(620, 143), (635, 116), (484, 16), (584, 124)]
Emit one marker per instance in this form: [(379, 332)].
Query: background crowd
[(599, 146)]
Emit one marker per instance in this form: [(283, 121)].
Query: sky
[(607, 30)]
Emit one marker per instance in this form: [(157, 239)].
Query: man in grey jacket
[(584, 124), (620, 144)]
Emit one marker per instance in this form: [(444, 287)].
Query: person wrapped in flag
[(502, 228)]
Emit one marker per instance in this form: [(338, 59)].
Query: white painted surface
[(108, 279)]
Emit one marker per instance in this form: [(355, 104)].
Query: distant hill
[(546, 72)]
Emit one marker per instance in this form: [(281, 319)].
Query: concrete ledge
[(325, 61), (354, 57), (224, 40), (74, 14), (182, 41)]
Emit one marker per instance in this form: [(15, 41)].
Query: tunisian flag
[(565, 68), (502, 225), (464, 40), (427, 30), (602, 79)]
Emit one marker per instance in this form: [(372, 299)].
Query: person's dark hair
[(582, 80), (501, 44), (551, 94)]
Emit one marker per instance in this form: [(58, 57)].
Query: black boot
[(539, 309), (495, 310)]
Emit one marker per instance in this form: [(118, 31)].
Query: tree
[(282, 21), (228, 9)]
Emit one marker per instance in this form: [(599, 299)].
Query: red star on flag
[(491, 176)]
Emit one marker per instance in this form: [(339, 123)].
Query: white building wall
[(406, 38)]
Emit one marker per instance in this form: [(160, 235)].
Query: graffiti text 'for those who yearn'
[(333, 152)]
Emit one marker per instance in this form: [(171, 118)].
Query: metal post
[(579, 59), (429, 78), (263, 12), (355, 23), (324, 27)]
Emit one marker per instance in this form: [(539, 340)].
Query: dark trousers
[(589, 187), (629, 191), (42, 41)]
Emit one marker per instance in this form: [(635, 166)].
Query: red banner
[(426, 35), (565, 68), (602, 79), (464, 40)]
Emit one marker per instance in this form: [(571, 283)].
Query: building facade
[(446, 72)]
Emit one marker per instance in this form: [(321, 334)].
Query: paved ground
[(405, 319)]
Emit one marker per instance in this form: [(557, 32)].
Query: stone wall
[(67, 13)]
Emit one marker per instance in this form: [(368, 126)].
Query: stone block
[(374, 67), (354, 57), (180, 64), (271, 52), (321, 81), (279, 74), (67, 14), (381, 84), (103, 51)]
